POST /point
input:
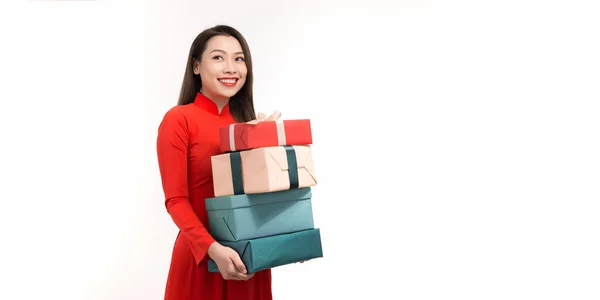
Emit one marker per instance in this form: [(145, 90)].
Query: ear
[(196, 65)]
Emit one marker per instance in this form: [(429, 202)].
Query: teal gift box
[(273, 251), (249, 216)]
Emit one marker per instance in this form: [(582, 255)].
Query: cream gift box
[(262, 170)]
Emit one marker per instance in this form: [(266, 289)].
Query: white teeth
[(227, 80)]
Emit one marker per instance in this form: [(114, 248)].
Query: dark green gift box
[(245, 217), (277, 250)]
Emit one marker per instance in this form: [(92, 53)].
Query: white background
[(484, 114)]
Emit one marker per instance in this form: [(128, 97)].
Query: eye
[(218, 57), (240, 59)]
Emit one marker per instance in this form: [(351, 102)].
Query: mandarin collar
[(210, 106)]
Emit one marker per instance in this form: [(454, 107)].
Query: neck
[(219, 101)]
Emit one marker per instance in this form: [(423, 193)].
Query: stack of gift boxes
[(262, 182)]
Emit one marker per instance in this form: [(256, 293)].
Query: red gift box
[(252, 135)]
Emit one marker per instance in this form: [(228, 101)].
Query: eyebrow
[(219, 50)]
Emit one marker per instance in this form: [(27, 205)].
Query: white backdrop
[(456, 143)]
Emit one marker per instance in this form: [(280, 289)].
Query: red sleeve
[(172, 152)]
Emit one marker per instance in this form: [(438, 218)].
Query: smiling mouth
[(228, 81)]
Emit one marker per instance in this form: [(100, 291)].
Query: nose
[(230, 67)]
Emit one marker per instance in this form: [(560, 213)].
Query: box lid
[(246, 200)]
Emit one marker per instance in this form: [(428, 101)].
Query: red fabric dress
[(187, 137)]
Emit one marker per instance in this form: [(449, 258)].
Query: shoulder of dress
[(177, 112), (176, 116)]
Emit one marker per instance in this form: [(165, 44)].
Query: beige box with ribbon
[(262, 170)]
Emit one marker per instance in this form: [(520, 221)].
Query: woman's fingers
[(274, 117)]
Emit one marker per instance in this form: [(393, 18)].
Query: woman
[(216, 91)]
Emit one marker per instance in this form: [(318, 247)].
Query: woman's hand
[(262, 117), (273, 117), (229, 262)]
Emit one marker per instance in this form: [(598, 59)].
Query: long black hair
[(241, 105)]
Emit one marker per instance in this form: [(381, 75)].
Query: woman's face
[(222, 68)]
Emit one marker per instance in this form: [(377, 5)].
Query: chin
[(229, 94)]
